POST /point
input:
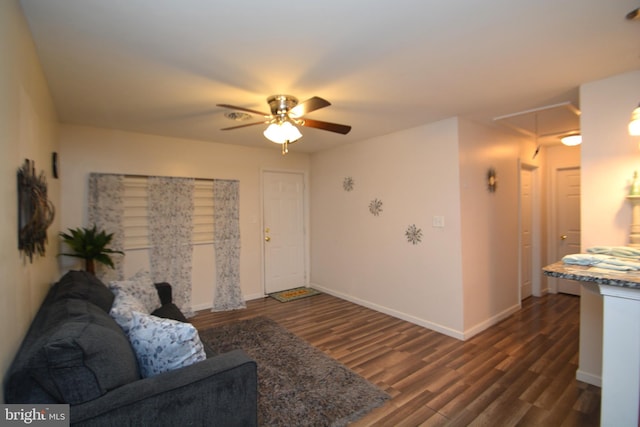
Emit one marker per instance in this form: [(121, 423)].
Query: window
[(136, 205)]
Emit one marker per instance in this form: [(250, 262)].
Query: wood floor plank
[(520, 372)]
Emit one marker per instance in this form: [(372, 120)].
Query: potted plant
[(90, 245)]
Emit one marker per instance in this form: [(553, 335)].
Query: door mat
[(294, 294)]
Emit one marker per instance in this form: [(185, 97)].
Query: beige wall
[(609, 156), (462, 278), (490, 222), (27, 130), (366, 258), (87, 149)]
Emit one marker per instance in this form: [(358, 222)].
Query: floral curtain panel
[(106, 209), (227, 294), (170, 235)]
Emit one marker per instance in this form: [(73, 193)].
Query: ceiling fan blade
[(331, 127), (311, 104), (248, 110), (244, 126)]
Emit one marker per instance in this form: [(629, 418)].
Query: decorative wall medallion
[(347, 184), (375, 207), (414, 234), (491, 180), (35, 211)]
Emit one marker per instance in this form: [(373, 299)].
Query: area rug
[(294, 294), (298, 385)]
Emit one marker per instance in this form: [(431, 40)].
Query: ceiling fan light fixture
[(571, 140), (634, 124), (282, 133)]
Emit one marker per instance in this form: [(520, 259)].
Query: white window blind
[(136, 212)]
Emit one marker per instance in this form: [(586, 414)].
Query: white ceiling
[(161, 66)]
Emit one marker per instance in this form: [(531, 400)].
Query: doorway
[(283, 221), (567, 230), (530, 276), (526, 232)]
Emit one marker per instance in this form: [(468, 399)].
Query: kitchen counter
[(600, 276), (620, 292)]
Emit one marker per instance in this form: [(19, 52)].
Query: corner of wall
[(28, 129)]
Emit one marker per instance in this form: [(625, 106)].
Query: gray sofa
[(75, 353)]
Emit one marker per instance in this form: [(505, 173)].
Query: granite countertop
[(601, 276)]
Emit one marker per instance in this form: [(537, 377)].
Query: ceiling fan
[(286, 114)]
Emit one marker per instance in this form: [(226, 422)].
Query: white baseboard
[(423, 322), (391, 312), (491, 321), (588, 378), (199, 307), (208, 306), (400, 315)]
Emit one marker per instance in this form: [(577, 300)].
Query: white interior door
[(526, 232), (283, 221), (568, 221)]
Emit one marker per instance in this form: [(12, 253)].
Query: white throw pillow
[(164, 344), (122, 310), (141, 287)]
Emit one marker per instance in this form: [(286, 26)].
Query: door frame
[(553, 229), (536, 230), (305, 226), (555, 164)]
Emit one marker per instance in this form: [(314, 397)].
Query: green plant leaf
[(89, 244)]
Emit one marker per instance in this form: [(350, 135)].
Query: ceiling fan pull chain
[(285, 148)]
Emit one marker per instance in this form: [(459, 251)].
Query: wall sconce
[(492, 182), (634, 124), (571, 140)]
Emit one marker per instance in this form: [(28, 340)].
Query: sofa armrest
[(221, 390), (164, 292)]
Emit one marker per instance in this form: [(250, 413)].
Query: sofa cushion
[(141, 287), (164, 344), (122, 310), (83, 285), (82, 357)]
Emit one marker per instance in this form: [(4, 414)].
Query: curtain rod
[(129, 175)]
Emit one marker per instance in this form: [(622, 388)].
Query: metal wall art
[(375, 207), (347, 184), (414, 234), (35, 211)]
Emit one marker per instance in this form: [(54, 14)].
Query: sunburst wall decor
[(413, 234), (375, 207), (347, 184)]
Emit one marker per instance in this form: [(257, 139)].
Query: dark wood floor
[(520, 372)]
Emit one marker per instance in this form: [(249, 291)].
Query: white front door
[(568, 221), (526, 232), (283, 221)]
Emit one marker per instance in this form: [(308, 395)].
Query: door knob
[(267, 239), (563, 237)]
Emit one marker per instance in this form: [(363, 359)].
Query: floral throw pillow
[(124, 305), (141, 287), (164, 344)]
